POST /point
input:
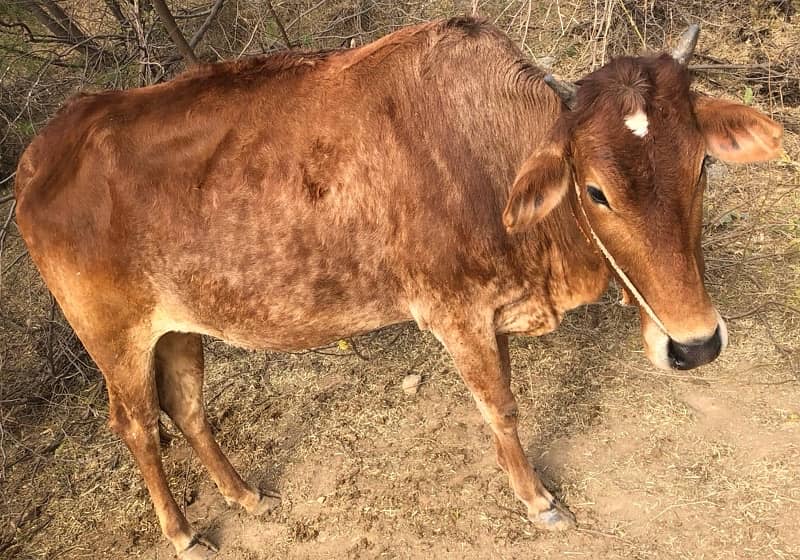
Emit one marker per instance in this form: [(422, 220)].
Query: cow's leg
[(505, 369), (133, 414), (483, 362), (179, 377)]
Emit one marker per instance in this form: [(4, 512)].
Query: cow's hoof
[(199, 549), (267, 502), (557, 518)]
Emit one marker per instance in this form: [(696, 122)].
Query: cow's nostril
[(676, 355), (692, 355)]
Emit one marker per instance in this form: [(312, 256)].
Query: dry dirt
[(704, 464)]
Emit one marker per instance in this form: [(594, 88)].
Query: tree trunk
[(76, 34), (175, 34), (279, 23), (58, 22), (44, 18), (116, 11)]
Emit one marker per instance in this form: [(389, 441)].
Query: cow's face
[(629, 155)]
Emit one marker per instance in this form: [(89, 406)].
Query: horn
[(567, 91), (685, 47)]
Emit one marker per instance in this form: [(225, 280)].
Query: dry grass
[(656, 465)]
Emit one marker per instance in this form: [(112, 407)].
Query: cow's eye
[(597, 195)]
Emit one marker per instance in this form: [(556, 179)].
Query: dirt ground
[(703, 464)]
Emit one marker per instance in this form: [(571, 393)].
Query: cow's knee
[(191, 425), (502, 418), (118, 424)]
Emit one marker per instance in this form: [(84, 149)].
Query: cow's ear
[(539, 187), (735, 133)]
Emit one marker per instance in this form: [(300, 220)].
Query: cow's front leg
[(483, 362)]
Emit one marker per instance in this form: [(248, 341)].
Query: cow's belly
[(293, 337), (263, 312)]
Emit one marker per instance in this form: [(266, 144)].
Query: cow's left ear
[(735, 133), (539, 187)]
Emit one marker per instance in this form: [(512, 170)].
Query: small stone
[(545, 62), (321, 500), (411, 383)]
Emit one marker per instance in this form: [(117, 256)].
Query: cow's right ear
[(539, 187)]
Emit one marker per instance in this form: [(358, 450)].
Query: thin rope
[(627, 281)]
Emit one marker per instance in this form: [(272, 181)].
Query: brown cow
[(286, 201)]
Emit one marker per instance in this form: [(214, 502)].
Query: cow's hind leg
[(482, 360), (133, 414), (179, 377)]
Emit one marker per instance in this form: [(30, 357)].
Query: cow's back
[(305, 195)]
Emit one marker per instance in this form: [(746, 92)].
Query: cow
[(286, 201)]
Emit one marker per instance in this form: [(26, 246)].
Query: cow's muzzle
[(694, 354), (669, 354)]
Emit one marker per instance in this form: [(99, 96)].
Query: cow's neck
[(576, 270), (583, 275), (563, 270)]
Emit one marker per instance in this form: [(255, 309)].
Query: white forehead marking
[(637, 123)]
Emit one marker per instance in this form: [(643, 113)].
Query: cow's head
[(628, 152)]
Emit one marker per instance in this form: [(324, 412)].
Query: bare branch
[(25, 28), (753, 72), (3, 233), (6, 180), (175, 34), (198, 36)]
